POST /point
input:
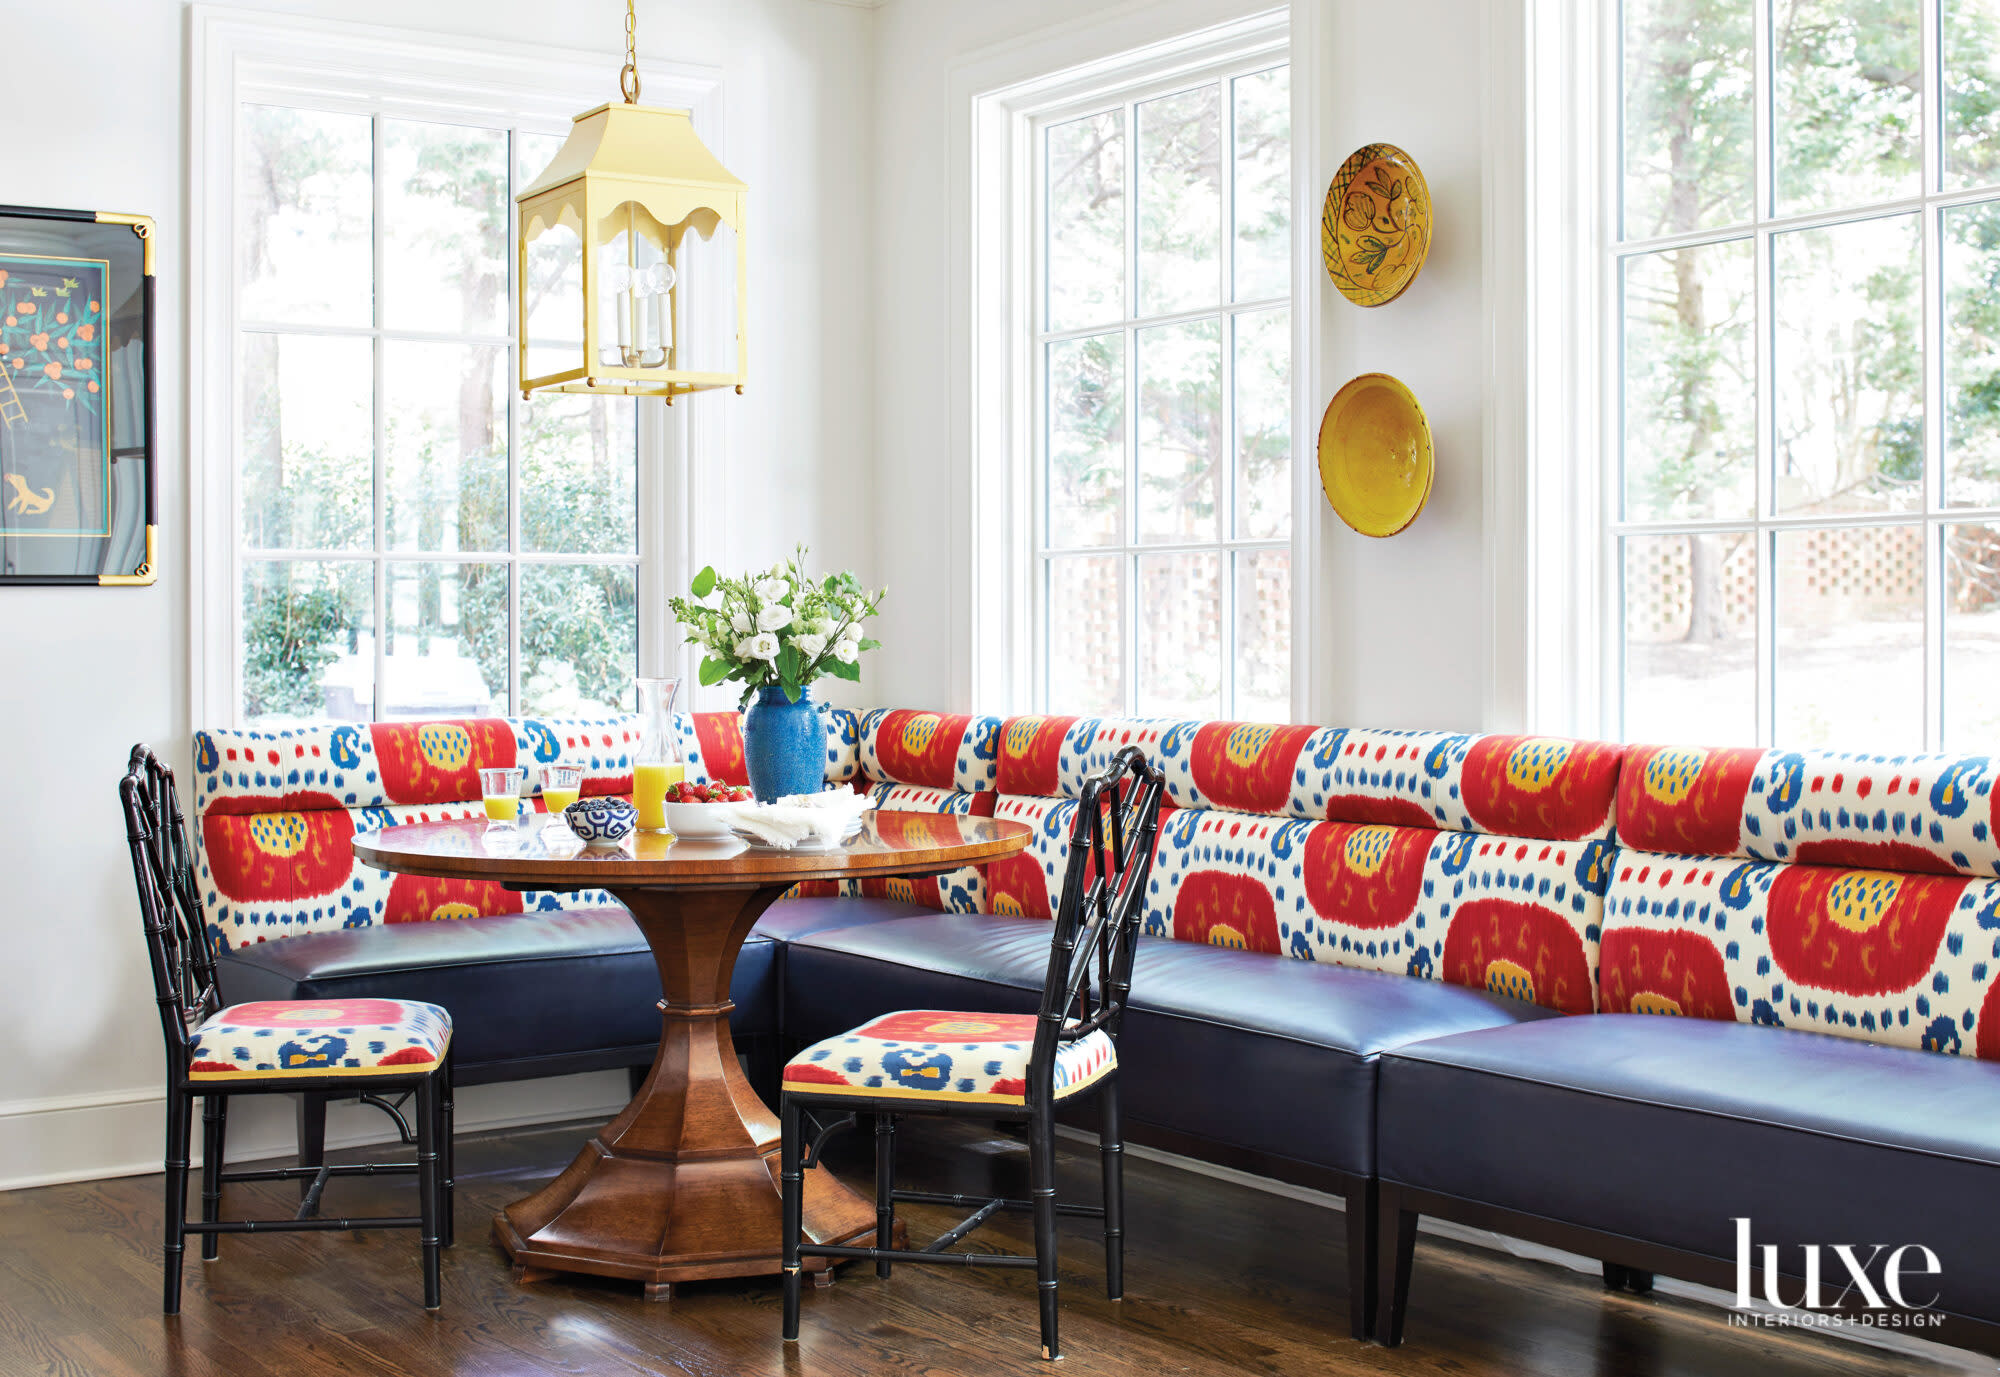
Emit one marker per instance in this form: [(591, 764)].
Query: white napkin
[(827, 817)]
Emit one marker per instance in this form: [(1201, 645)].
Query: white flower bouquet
[(777, 629)]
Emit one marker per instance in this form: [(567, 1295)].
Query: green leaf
[(704, 582), (840, 669), (713, 671), (870, 643), (792, 692), (788, 663)]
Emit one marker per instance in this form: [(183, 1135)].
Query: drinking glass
[(501, 789), (561, 785)]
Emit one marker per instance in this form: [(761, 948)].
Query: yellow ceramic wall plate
[(1375, 455), (1376, 228)]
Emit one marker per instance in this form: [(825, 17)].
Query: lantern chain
[(628, 77)]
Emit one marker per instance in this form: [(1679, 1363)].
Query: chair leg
[(312, 1135), (1361, 1259), (791, 1182), (446, 1154), (885, 1189), (180, 1115), (1111, 1158), (1618, 1277), (1397, 1250), (214, 1129), (1042, 1194), (429, 1195)]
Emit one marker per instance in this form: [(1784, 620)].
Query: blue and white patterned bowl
[(601, 821)]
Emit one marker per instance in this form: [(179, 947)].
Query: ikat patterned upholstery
[(1928, 813), (944, 1055), (277, 811), (1516, 916), (1028, 884), (1829, 892), (934, 750), (319, 1037), (373, 765), (1544, 787), (1480, 860)]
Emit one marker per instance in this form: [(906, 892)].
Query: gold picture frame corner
[(141, 225), (146, 575)]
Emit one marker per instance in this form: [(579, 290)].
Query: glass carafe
[(658, 763)]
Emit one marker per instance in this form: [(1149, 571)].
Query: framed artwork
[(78, 496)]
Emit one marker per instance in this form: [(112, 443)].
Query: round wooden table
[(684, 1183)]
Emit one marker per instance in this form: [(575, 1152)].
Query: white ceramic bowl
[(697, 821)]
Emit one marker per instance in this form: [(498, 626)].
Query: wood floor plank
[(1221, 1280)]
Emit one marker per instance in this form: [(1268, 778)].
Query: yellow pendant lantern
[(632, 213)]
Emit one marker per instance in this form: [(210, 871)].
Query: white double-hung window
[(1803, 402), (1160, 363), (388, 528)]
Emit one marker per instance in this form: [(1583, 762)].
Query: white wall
[(87, 672), (1396, 622)]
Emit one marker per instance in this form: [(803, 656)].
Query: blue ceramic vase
[(784, 744)]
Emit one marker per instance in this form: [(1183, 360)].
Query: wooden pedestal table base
[(683, 1184)]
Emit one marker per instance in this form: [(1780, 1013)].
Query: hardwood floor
[(1220, 1278)]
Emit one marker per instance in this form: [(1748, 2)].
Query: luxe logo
[(1840, 1283)]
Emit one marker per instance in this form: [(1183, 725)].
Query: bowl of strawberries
[(695, 810)]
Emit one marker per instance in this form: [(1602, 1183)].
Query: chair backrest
[(177, 939), (1102, 908)]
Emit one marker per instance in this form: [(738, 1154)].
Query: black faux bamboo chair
[(1011, 1068), (281, 1047)]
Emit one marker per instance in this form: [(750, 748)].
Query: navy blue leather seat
[(1237, 1055), (533, 994), (1665, 1131)]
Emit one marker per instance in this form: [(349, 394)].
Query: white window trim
[(996, 100), (335, 65)]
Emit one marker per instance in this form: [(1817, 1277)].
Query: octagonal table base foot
[(665, 1222)]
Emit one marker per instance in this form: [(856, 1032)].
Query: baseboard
[(123, 1133), (1888, 1339)]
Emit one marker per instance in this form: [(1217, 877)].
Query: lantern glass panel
[(707, 302), (553, 299)]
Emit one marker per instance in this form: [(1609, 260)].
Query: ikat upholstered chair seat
[(319, 1038), (934, 1054)]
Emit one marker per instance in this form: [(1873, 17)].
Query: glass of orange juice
[(657, 765), (501, 789), (561, 786)]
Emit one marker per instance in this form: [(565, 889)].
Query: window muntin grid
[(1161, 487), (1779, 569), (529, 566)]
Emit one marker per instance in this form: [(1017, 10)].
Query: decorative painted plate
[(1375, 457), (1376, 228)]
